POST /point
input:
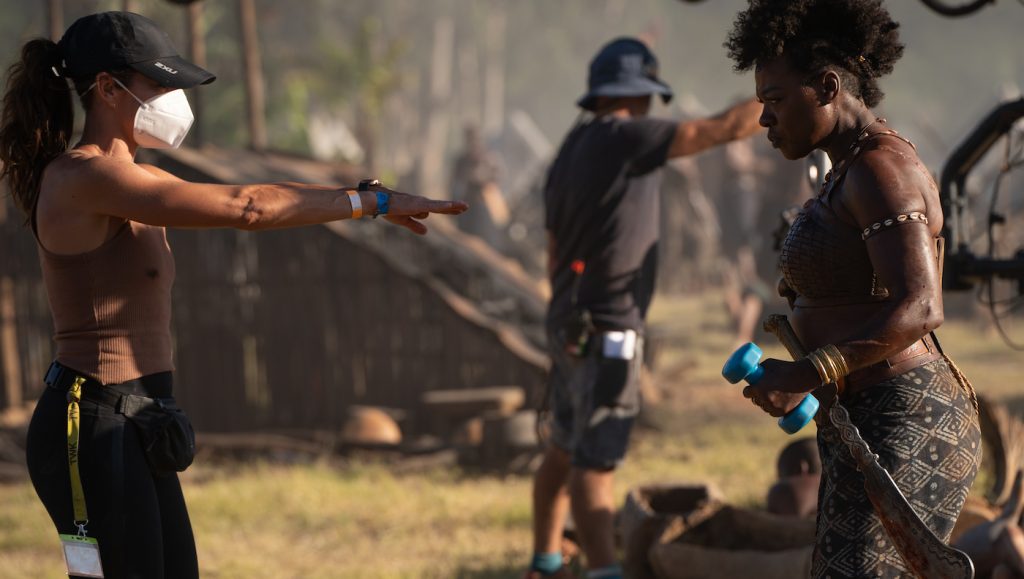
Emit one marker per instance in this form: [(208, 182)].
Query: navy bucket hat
[(624, 67)]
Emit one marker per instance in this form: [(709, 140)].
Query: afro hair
[(856, 36)]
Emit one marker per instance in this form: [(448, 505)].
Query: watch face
[(365, 184)]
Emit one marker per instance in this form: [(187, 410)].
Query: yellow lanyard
[(77, 494)]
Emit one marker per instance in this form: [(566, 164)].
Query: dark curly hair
[(856, 38), (38, 117)]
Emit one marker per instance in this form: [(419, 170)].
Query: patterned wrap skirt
[(924, 427)]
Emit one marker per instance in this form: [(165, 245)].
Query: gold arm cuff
[(837, 358), (829, 363), (816, 359)]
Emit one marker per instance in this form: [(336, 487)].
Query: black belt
[(60, 378)]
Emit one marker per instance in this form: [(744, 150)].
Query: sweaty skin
[(886, 179)]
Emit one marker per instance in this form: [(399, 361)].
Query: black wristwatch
[(383, 199), (365, 184)]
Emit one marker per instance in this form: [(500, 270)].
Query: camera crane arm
[(962, 269)]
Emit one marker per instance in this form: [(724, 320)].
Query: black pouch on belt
[(578, 329), (165, 430)]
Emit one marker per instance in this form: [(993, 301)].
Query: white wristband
[(357, 204)]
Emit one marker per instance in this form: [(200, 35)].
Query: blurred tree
[(55, 18), (530, 55), (253, 65)]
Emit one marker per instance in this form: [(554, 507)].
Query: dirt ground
[(364, 518)]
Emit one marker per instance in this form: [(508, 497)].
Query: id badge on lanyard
[(82, 556), (81, 552)]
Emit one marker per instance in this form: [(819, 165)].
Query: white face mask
[(163, 121)]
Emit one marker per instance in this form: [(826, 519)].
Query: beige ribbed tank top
[(112, 306)]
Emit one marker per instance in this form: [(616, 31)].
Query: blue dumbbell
[(743, 365)]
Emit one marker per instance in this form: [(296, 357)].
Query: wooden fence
[(285, 330)]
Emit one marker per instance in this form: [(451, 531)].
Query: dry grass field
[(362, 519)]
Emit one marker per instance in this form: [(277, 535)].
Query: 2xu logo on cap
[(165, 67)]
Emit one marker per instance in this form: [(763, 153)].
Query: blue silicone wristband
[(383, 202)]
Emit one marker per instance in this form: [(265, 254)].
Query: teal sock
[(609, 572), (546, 563)]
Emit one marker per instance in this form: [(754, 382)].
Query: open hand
[(409, 210)]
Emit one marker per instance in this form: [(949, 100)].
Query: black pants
[(139, 519)]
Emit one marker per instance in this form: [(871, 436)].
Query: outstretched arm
[(737, 122), (117, 188)]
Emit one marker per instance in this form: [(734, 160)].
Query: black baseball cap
[(625, 67), (117, 40)]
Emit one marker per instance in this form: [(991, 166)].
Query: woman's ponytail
[(37, 120)]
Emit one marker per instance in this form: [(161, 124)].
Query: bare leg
[(593, 508), (550, 501), (748, 318), (748, 315)]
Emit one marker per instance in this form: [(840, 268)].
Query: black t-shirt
[(602, 205)]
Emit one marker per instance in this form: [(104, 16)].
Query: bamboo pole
[(197, 53), (494, 75), (9, 357), (469, 96), (55, 18), (254, 90), (434, 146)]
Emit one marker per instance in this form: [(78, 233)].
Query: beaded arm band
[(900, 219)]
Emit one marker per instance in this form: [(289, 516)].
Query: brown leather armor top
[(825, 259)]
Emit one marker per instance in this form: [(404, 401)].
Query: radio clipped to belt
[(81, 552), (579, 328)]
